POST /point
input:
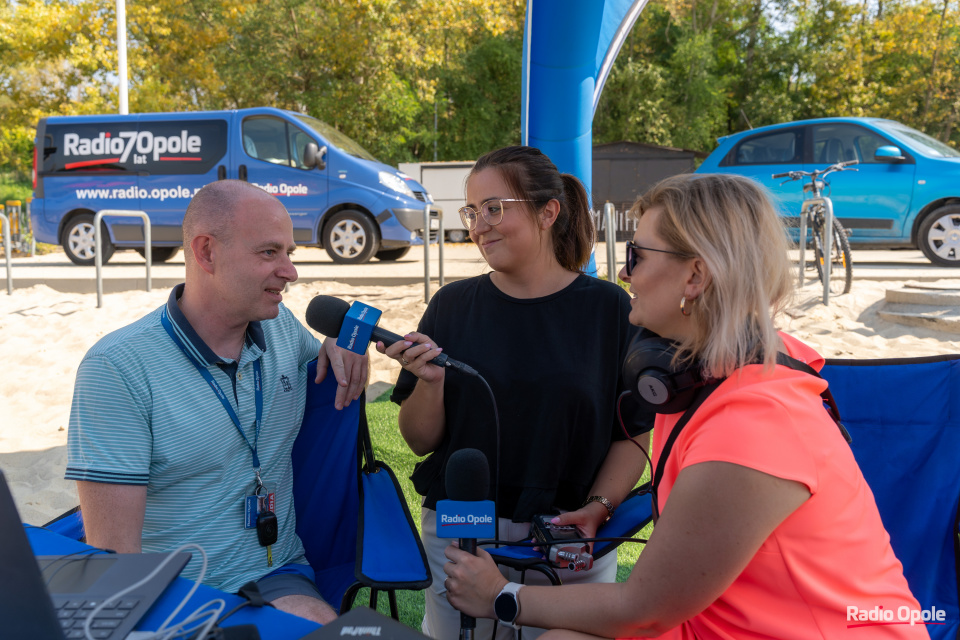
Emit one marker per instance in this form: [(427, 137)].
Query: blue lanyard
[(257, 386)]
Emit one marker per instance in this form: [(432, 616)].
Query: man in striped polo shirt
[(179, 418)]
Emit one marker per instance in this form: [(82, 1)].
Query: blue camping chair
[(351, 513), (633, 514), (904, 417)]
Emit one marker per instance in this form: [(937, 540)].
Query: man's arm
[(113, 514)]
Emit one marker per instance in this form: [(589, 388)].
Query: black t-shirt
[(553, 364)]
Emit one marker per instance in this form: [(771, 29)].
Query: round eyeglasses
[(491, 210)]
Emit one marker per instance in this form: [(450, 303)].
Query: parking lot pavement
[(127, 269)]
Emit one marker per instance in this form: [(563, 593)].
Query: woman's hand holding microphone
[(414, 354)]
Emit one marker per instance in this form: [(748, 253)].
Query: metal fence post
[(98, 241), (426, 253), (7, 250), (608, 212), (440, 234)]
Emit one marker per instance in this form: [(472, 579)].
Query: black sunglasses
[(632, 254)]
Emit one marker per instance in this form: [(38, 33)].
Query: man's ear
[(204, 249), (549, 213)]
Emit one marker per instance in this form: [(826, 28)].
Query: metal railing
[(426, 249), (98, 241), (611, 240), (7, 250)]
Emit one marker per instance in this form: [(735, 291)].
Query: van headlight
[(395, 182)]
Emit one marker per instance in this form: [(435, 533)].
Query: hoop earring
[(683, 311)]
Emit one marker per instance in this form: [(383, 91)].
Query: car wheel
[(939, 236), (159, 254), (79, 244), (457, 235), (351, 237), (389, 255)]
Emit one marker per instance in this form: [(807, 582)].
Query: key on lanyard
[(266, 525)]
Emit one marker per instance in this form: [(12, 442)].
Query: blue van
[(338, 195), (905, 192)]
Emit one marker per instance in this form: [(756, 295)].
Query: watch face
[(505, 606)]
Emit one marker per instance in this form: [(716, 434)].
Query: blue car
[(906, 192)]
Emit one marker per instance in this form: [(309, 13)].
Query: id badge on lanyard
[(260, 504)]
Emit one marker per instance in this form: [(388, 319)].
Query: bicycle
[(819, 209)]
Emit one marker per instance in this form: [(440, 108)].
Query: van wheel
[(389, 255), (78, 241), (159, 254), (457, 235), (939, 236), (351, 237)]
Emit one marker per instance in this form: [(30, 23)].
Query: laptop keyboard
[(73, 614)]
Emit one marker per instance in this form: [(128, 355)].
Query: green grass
[(390, 448)]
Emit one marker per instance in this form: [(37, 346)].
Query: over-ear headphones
[(653, 380)]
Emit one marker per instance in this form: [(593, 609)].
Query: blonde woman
[(767, 527)]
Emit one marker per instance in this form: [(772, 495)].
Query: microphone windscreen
[(468, 476), (325, 314)]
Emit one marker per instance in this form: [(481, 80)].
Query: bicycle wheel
[(841, 266)]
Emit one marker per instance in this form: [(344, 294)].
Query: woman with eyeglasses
[(767, 528), (548, 340)]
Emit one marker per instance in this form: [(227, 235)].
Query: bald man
[(183, 417)]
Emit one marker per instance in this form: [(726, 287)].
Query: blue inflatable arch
[(568, 51)]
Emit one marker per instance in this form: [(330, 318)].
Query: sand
[(45, 333)]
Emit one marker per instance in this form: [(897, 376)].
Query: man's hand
[(349, 369)]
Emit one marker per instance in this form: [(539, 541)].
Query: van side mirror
[(314, 157), (888, 153)]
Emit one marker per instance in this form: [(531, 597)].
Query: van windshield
[(338, 139), (925, 144)]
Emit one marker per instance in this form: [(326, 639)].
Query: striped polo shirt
[(142, 414)]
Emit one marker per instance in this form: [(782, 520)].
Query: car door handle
[(221, 173), (243, 172)]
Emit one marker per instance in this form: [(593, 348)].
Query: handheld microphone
[(467, 514), (327, 315)]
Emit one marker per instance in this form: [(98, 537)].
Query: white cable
[(164, 633)]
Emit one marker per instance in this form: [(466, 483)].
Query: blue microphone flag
[(465, 519), (357, 327)]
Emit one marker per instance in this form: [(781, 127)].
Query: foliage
[(405, 77)]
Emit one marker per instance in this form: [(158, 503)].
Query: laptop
[(364, 622), (50, 597)]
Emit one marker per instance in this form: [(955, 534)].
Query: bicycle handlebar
[(796, 175)]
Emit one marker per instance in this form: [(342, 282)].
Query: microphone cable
[(496, 467), (529, 543), (623, 428)]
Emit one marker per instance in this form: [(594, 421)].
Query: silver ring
[(404, 361)]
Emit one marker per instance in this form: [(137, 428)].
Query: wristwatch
[(507, 604)]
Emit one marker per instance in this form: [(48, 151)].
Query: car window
[(842, 142), (298, 145), (779, 147), (927, 145), (265, 138)]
